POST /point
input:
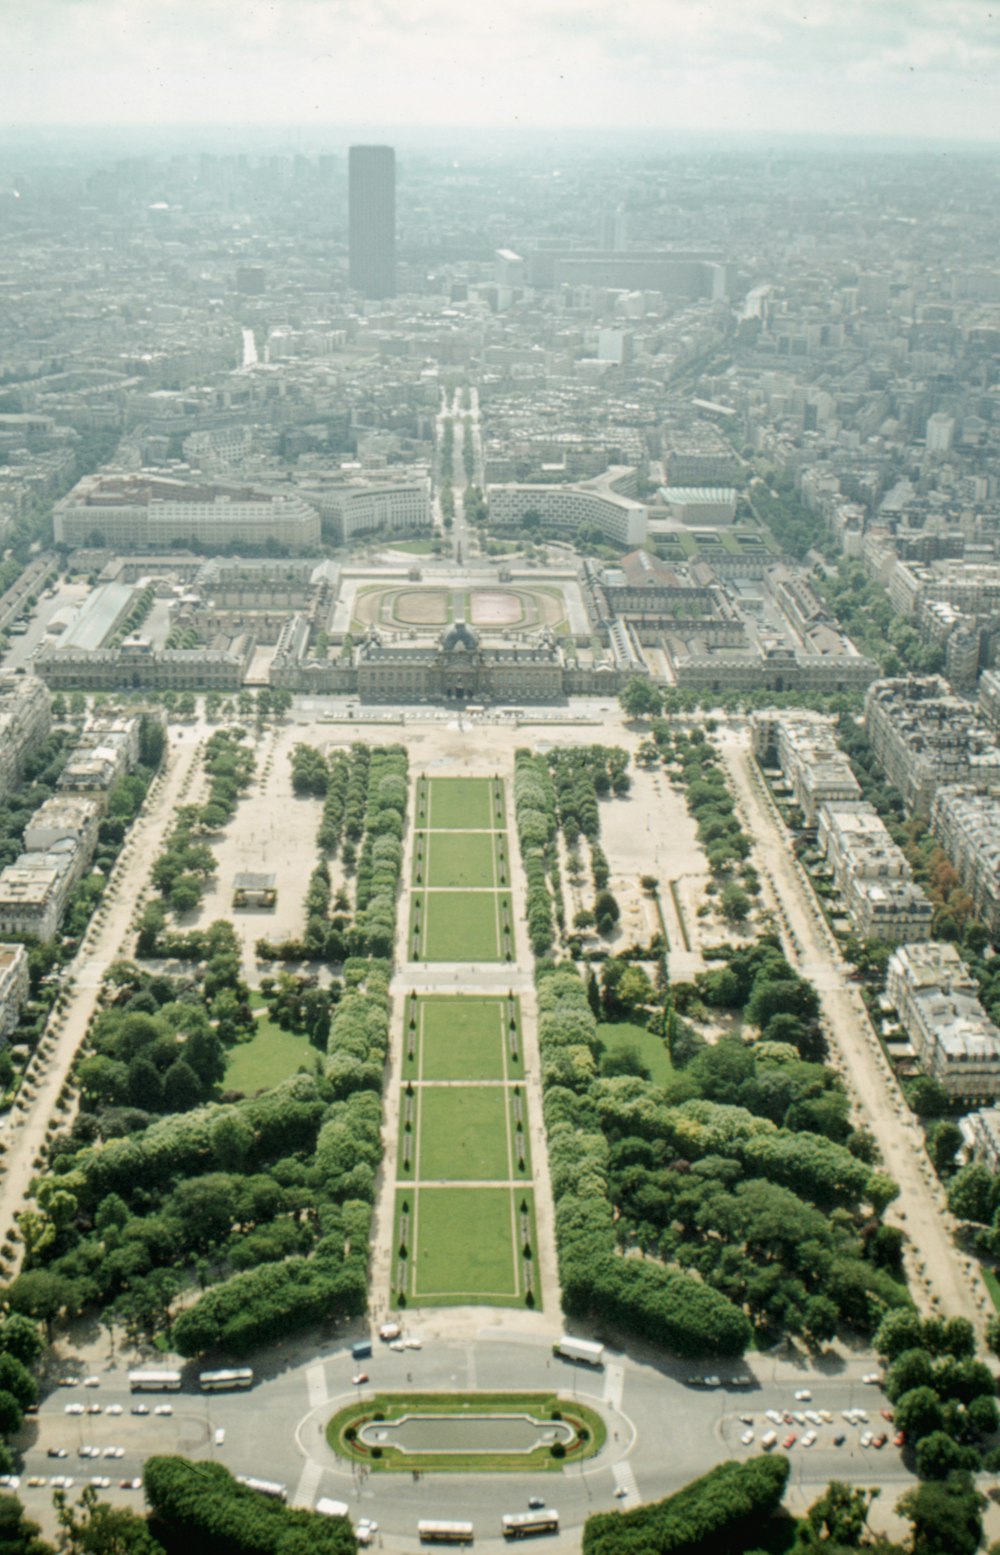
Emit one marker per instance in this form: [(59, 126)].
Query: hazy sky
[(898, 67)]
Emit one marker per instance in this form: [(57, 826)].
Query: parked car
[(790, 1440), (359, 1378), (803, 1395), (747, 1437)]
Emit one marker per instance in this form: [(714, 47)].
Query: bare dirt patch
[(420, 607), (496, 608)]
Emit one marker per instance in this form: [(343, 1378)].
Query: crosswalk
[(614, 1385), (305, 1490), (316, 1385), (625, 1480)]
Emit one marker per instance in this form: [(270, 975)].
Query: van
[(389, 1331), (768, 1440), (362, 1350)]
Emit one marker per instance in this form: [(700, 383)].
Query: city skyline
[(887, 68)]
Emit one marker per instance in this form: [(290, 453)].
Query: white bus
[(522, 1525), (222, 1381), (266, 1487), (154, 1381), (444, 1533), (330, 1508)]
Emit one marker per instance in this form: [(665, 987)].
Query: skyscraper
[(372, 219)]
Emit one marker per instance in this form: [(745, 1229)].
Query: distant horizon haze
[(901, 69)]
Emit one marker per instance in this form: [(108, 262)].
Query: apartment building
[(13, 986), (804, 745), (935, 997), (872, 875), (33, 893), (25, 721), (966, 822), (63, 820), (923, 737)]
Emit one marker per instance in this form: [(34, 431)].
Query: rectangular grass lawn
[(267, 1059), (465, 1245), (456, 925), (651, 1048), (462, 1132), (461, 804), (457, 859), (463, 1039)]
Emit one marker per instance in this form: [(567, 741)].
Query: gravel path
[(106, 940), (942, 1279)]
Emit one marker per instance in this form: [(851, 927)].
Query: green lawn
[(463, 1039), (464, 1245), (462, 1132), (652, 1049), (412, 547), (458, 859), (458, 925), (268, 1059), (461, 804)]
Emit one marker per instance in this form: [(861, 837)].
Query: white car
[(61, 1482), (113, 1409), (803, 1395), (809, 1438), (826, 1417), (163, 1409), (140, 1409), (91, 1382), (73, 1409), (873, 1378), (799, 1417), (747, 1438), (861, 1417), (396, 1344), (220, 1437), (10, 1481), (114, 1452), (775, 1418), (88, 1452), (413, 1343), (867, 1437), (100, 1481), (69, 1382)]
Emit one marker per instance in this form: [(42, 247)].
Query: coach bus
[(154, 1381), (266, 1487), (444, 1533), (521, 1525), (223, 1381)]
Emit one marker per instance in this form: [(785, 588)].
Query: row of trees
[(202, 1504), (944, 1398), (667, 1307), (186, 863), (717, 1512), (535, 818)]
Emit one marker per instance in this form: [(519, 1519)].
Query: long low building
[(572, 508), (13, 985), (936, 999), (146, 510)]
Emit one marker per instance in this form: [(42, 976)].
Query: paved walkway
[(942, 1279), (105, 941)]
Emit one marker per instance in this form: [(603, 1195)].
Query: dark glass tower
[(372, 217)]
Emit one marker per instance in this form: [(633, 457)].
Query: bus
[(444, 1533), (521, 1525), (223, 1381), (585, 1350), (266, 1487), (154, 1381)]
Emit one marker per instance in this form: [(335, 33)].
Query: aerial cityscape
[(499, 782)]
